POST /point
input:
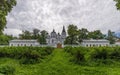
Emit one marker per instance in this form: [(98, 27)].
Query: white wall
[(94, 44)]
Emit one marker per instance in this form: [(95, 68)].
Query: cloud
[(49, 14), (14, 32)]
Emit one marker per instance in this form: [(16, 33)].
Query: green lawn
[(58, 64)]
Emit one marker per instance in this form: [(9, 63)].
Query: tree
[(25, 35), (118, 4), (72, 35), (42, 37), (110, 37), (5, 7), (4, 39), (36, 33), (97, 34), (83, 34)]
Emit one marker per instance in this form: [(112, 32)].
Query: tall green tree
[(97, 34), (72, 35), (4, 39), (5, 7), (117, 4), (36, 33), (42, 37), (110, 37), (83, 34), (25, 35)]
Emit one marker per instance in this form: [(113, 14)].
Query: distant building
[(117, 42), (56, 38), (95, 43), (23, 43)]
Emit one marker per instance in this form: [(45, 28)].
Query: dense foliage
[(58, 63), (27, 55), (93, 54), (4, 39), (5, 7), (76, 36), (118, 4), (35, 34), (7, 70)]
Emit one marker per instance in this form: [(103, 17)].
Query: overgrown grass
[(26, 55), (59, 63), (95, 54)]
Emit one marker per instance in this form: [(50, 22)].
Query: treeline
[(35, 34), (75, 35)]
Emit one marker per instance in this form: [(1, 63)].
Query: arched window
[(90, 45), (93, 45), (11, 44), (86, 45), (52, 41)]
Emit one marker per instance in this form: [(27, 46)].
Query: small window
[(87, 45), (11, 44), (52, 41), (31, 45), (106, 44), (90, 45)]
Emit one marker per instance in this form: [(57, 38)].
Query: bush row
[(93, 54), (26, 54)]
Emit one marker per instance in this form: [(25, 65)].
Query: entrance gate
[(59, 45)]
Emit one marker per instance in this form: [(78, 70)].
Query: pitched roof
[(92, 40), (32, 40), (118, 40)]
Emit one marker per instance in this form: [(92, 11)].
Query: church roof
[(53, 31)]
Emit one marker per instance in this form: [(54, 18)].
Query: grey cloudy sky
[(49, 14)]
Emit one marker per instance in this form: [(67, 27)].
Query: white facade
[(117, 43), (53, 39), (23, 43), (95, 43)]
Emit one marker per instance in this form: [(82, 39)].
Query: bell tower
[(63, 34)]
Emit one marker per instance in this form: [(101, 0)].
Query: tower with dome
[(54, 38)]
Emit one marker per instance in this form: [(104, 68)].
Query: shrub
[(78, 56), (77, 53), (115, 54), (7, 70), (26, 54), (68, 49), (99, 53)]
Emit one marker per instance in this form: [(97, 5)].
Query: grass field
[(58, 64)]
